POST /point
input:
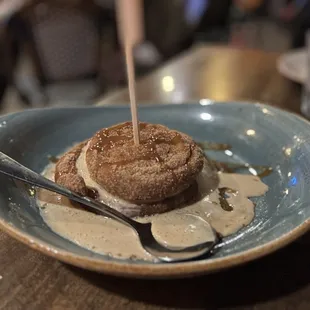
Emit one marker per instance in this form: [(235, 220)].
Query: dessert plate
[(258, 134), (293, 65)]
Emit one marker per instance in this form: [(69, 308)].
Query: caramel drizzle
[(225, 205), (148, 150), (92, 193), (53, 159), (262, 171), (212, 146), (148, 147)]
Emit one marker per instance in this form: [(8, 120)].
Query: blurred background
[(67, 52)]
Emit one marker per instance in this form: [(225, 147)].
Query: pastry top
[(164, 164)]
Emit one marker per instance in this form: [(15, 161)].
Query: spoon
[(16, 170)]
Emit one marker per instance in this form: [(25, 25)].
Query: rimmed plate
[(259, 134), (293, 65)]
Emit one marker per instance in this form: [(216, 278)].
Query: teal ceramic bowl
[(259, 135)]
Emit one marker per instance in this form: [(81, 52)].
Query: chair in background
[(63, 43)]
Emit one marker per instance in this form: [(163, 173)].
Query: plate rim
[(161, 270)]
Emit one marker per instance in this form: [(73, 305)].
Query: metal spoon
[(15, 170)]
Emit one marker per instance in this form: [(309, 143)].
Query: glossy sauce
[(175, 228), (214, 146), (225, 205), (262, 171), (147, 147), (53, 159)]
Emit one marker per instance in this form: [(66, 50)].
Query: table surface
[(218, 73), (29, 280)]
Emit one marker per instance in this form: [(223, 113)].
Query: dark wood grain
[(33, 281)]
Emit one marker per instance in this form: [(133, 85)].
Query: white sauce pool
[(176, 228)]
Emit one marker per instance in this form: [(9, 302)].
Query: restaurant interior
[(57, 53), (247, 56)]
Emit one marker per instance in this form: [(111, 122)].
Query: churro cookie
[(164, 164)]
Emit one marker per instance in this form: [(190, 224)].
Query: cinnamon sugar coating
[(158, 175), (164, 164), (66, 171)]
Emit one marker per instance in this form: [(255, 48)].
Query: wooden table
[(280, 281), (217, 73)]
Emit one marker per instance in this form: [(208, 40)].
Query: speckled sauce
[(181, 227)]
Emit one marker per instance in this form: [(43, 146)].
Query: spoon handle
[(16, 170)]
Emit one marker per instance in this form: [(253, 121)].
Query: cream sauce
[(180, 227)]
